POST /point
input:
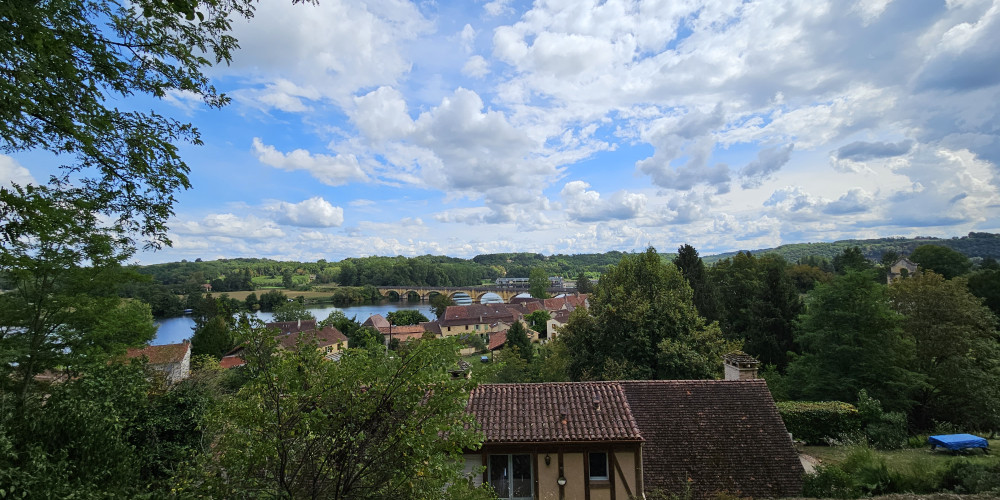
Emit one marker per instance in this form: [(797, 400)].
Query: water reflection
[(174, 330)]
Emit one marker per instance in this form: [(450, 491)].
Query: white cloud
[(314, 212), (768, 162), (11, 172), (476, 67), (228, 226), (587, 206), (331, 170)]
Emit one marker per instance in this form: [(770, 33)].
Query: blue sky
[(459, 128)]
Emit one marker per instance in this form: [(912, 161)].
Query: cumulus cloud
[(767, 163), (476, 67), (588, 206), (856, 200), (314, 212), (11, 172), (330, 170), (229, 226)]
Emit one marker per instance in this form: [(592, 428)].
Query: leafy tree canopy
[(292, 311), (406, 317), (538, 283), (942, 260)]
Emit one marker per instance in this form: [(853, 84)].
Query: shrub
[(884, 430), (964, 476), (862, 473), (818, 422)]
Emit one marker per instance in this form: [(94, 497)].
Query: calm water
[(174, 330)]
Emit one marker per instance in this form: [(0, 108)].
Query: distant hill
[(974, 245)]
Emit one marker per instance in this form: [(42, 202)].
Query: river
[(174, 330)]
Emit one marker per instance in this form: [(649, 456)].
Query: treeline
[(975, 245)]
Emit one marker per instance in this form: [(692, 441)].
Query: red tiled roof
[(325, 337), (161, 354), (530, 413), (404, 332), (726, 435), (432, 326), (231, 362), (485, 313), (287, 327), (376, 321), (497, 340), (568, 302)]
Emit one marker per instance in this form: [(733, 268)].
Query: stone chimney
[(740, 366)]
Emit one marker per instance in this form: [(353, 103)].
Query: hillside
[(974, 245)]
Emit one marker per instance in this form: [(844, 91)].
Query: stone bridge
[(475, 292)]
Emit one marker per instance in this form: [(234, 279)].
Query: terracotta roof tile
[(518, 413), (288, 327), (497, 340), (231, 361), (325, 337), (161, 354), (376, 321), (726, 435)]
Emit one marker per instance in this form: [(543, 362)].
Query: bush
[(819, 422), (964, 476), (863, 473), (885, 431)]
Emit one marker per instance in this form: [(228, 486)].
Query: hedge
[(817, 422)]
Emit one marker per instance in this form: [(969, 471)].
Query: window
[(598, 466), (510, 476)]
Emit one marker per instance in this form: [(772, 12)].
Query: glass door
[(511, 476)]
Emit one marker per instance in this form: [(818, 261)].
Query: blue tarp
[(957, 442)]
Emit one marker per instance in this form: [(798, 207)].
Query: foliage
[(966, 477), (439, 303), (758, 304), (583, 284), (538, 283), (819, 422), (517, 337), (67, 64), (985, 284), (292, 311), (851, 259), (368, 426), (642, 324), (851, 339), (942, 260), (805, 277), (862, 474), (706, 296), (213, 338), (957, 351), (271, 299), (57, 313), (538, 321), (406, 317), (883, 430)]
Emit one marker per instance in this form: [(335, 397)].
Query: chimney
[(740, 366), (597, 402)]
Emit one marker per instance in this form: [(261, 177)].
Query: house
[(401, 332), (173, 360), (481, 318), (902, 268), (328, 339), (206, 287), (625, 439)]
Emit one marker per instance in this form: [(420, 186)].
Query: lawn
[(908, 459)]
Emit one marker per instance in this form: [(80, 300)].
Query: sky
[(568, 126)]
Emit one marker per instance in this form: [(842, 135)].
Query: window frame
[(590, 466)]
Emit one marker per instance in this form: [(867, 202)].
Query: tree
[(957, 351), (942, 260), (851, 259), (985, 284), (705, 298), (439, 303), (406, 317), (538, 283), (67, 64), (286, 279), (368, 426), (851, 339), (292, 311), (583, 285), (517, 337), (638, 305), (213, 338), (538, 321)]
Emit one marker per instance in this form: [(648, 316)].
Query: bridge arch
[(392, 295)]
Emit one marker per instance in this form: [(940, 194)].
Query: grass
[(907, 459)]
